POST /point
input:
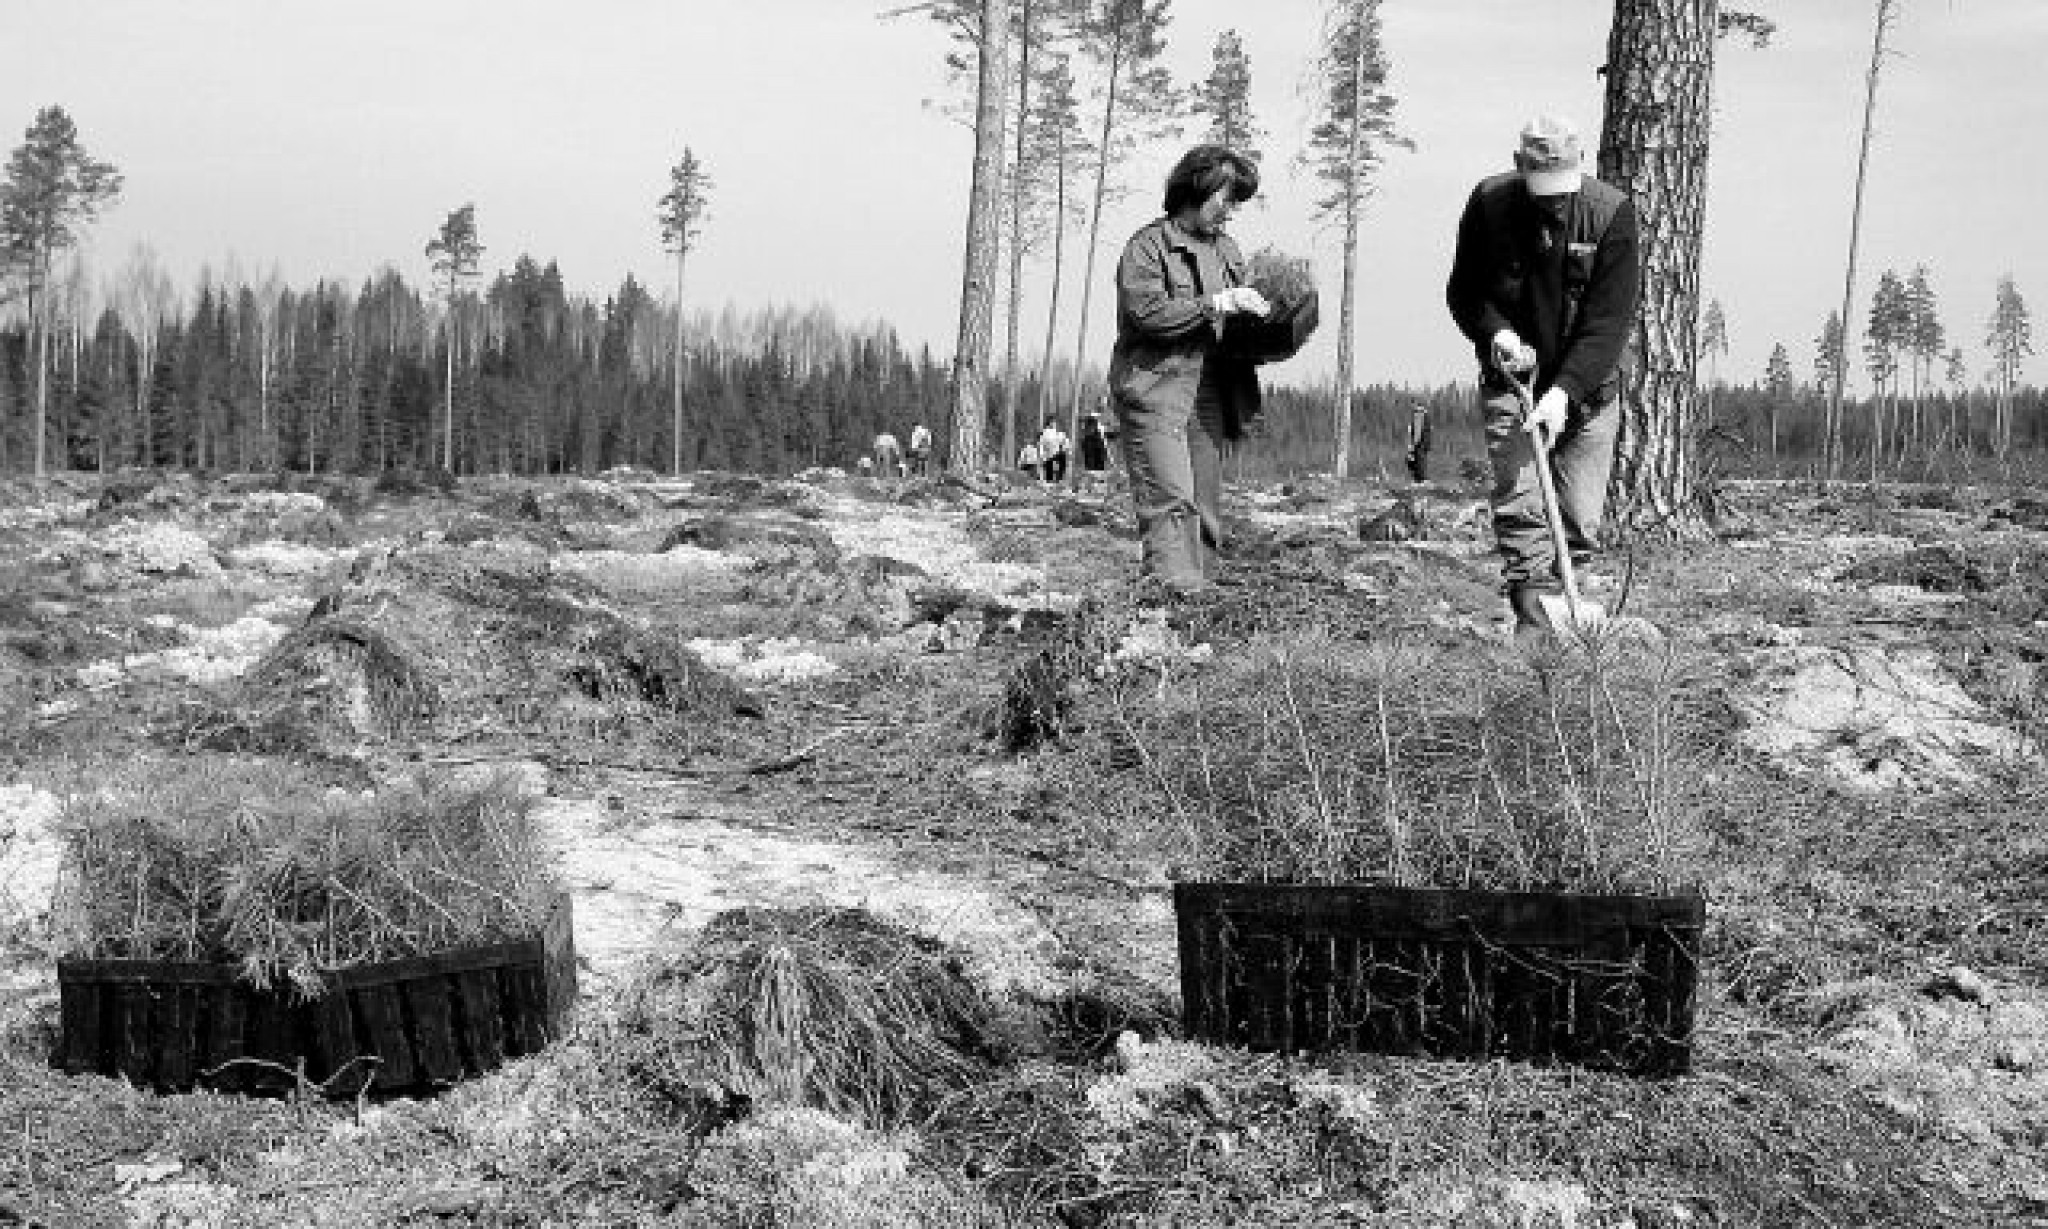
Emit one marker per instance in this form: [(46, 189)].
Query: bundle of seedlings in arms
[(1285, 281), (251, 863), (829, 1008), (1289, 286)]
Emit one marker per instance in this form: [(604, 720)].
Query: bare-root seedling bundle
[(830, 1008), (444, 642), (1314, 761), (252, 864)]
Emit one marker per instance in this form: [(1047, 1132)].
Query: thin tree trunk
[(1884, 20), (978, 277), (1102, 152), (265, 446), (1347, 323), (448, 389), (676, 449), (1654, 146), (38, 307), (1052, 307), (1016, 239)]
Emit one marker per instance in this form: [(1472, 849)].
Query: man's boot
[(1532, 622)]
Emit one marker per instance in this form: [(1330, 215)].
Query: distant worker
[(1545, 286), (920, 450), (1027, 460), (866, 466), (1094, 447), (1180, 398), (1052, 452), (1418, 442), (888, 456)]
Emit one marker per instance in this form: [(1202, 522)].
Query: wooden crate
[(1598, 981), (429, 1020)]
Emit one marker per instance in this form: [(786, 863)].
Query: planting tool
[(1575, 610)]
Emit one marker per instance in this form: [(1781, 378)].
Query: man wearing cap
[(1545, 285)]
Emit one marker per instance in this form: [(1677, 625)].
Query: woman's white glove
[(1546, 420), (1240, 301)]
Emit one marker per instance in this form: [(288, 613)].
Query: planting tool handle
[(1539, 450)]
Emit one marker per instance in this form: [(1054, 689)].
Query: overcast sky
[(328, 139)]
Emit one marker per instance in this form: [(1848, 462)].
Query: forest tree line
[(242, 375), (335, 378)]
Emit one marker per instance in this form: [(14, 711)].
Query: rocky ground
[(1873, 1044)]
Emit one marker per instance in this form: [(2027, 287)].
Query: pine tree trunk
[(674, 463), (448, 394), (1660, 77), (1347, 323), (38, 307), (1102, 155), (1052, 306), (42, 378), (1837, 390), (145, 368), (1014, 323), (977, 291)]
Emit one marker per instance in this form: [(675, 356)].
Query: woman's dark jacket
[(1167, 330)]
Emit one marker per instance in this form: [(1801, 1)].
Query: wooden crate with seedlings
[(1599, 981), (392, 1026)]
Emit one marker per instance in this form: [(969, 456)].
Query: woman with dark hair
[(1180, 396)]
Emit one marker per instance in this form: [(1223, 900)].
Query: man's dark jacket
[(1565, 280)]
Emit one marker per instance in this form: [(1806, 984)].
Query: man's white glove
[(1548, 415), (1510, 355), (1240, 301)]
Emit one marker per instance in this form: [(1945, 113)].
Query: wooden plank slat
[(227, 1035), (1196, 970), (523, 991), (1265, 984), (177, 1028), (481, 1021), (134, 1045), (433, 1029), (334, 1034), (274, 1038), (1315, 993), (385, 1035), (82, 1009)]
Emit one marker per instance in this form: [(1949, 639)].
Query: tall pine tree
[(682, 217), (1226, 98), (53, 187), (1346, 148), (453, 253)]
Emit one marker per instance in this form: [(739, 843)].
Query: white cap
[(1548, 156)]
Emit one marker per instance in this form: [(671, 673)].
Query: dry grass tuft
[(1040, 694), (250, 863), (618, 663), (363, 675), (828, 1008)]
